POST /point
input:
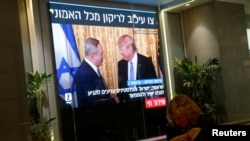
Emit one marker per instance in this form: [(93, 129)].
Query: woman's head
[(183, 112)]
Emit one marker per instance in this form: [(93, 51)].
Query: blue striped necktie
[(99, 73)]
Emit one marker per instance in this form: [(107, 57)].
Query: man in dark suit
[(89, 82), (142, 67)]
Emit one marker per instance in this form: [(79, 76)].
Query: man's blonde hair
[(128, 41)]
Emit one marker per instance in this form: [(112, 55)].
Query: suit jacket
[(87, 85), (145, 70)]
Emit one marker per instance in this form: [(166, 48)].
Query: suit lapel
[(139, 64), (91, 69)]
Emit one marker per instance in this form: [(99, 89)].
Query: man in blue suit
[(89, 82), (142, 67)]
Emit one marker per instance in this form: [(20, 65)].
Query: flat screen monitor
[(139, 99)]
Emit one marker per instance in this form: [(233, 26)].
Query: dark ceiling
[(146, 2), (169, 3), (154, 3)]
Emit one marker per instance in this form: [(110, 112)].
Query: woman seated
[(186, 122)]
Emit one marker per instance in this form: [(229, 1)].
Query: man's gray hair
[(91, 46)]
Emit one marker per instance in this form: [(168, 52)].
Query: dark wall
[(13, 105)]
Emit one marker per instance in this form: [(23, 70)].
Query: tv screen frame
[(73, 23), (140, 118)]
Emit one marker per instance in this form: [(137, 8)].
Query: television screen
[(72, 24), (121, 36)]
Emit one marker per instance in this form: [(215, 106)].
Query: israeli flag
[(67, 61)]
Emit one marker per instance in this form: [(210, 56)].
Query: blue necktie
[(99, 73), (131, 77)]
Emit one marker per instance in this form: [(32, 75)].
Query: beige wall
[(218, 29), (175, 43)]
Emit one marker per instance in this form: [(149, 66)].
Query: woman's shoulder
[(205, 121), (173, 131)]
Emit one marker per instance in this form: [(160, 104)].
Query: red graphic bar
[(155, 102)]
